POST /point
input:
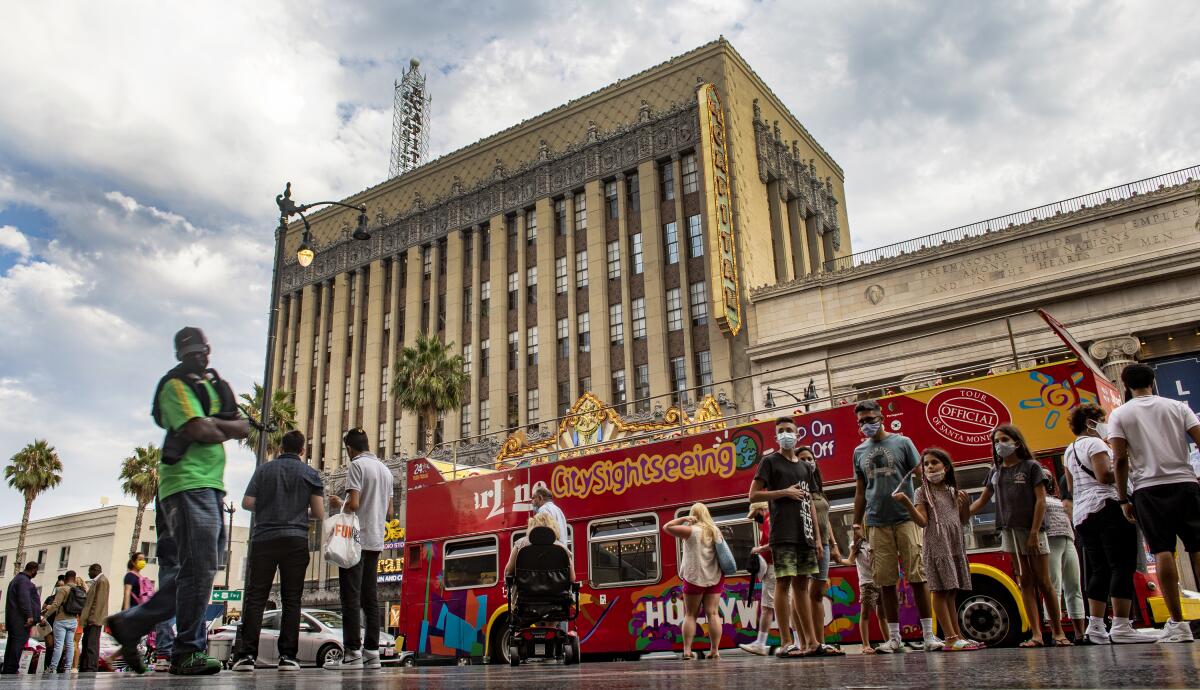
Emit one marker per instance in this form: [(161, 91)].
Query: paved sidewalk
[(1157, 666)]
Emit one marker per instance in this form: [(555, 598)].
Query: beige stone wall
[(1124, 268)]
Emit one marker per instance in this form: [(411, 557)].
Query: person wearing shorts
[(784, 480), (818, 583), (883, 464), (759, 512), (1149, 436)]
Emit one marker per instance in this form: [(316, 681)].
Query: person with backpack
[(700, 571), (68, 603), (197, 409)]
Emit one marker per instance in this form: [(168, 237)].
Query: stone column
[(1114, 354)]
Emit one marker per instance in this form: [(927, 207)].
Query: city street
[(1159, 666)]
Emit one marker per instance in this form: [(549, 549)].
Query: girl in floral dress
[(941, 509)]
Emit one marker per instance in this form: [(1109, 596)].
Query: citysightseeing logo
[(617, 476), (966, 415)]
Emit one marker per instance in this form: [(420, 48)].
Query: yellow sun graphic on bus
[(1057, 396)]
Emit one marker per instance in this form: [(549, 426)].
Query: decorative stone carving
[(779, 161), (757, 111), (875, 294), (593, 132), (644, 112), (670, 131), (1114, 354)]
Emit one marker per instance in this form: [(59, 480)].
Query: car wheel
[(989, 614), (409, 661), (328, 654)]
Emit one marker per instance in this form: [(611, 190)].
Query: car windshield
[(328, 619)]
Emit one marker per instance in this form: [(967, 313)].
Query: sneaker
[(754, 648), (195, 664), (892, 646), (371, 659), (352, 661), (1175, 632), (243, 664), (1127, 635), (287, 663), (1099, 635), (129, 651), (162, 665), (934, 643)]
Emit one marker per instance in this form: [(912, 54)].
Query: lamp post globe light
[(305, 254)]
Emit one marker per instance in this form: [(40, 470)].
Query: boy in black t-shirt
[(785, 481)]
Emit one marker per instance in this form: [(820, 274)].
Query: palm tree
[(35, 469), (139, 480), (429, 380), (283, 416)]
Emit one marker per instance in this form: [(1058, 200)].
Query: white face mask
[(936, 477), (1005, 449), (1100, 428), (787, 440)]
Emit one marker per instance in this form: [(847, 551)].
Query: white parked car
[(320, 638)]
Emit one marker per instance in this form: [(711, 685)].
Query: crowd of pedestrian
[(909, 513)]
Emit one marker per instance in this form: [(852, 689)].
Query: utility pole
[(228, 508)]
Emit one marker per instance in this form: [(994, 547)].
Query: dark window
[(633, 195), (560, 216), (666, 174), (695, 237), (623, 551), (610, 198)]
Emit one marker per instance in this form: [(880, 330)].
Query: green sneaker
[(195, 664)]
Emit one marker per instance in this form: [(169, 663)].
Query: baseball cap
[(190, 339)]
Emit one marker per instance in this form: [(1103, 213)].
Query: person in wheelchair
[(542, 594)]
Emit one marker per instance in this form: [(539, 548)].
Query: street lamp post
[(230, 509), (810, 393), (304, 255)]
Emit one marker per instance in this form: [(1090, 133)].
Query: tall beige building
[(607, 246)]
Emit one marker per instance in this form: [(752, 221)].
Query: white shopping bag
[(342, 545)]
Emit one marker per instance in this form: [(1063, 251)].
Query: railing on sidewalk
[(983, 227)]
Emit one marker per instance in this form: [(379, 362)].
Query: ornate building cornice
[(649, 137), (798, 179)]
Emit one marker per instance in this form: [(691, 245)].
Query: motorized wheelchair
[(541, 595)]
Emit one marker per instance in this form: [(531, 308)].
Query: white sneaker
[(1127, 635), (352, 661), (371, 659), (754, 648), (1175, 631), (933, 643), (1098, 635), (892, 646)]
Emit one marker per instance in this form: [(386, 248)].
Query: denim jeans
[(164, 639), (64, 636), (288, 556), (190, 539), (359, 594)]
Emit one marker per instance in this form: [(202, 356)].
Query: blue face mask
[(869, 430), (1005, 449)]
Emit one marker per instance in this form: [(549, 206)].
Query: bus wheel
[(499, 644), (989, 614)]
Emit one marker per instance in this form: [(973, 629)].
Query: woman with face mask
[(1019, 484), (1110, 542), (133, 581)]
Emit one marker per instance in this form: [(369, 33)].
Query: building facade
[(605, 246), (77, 540)]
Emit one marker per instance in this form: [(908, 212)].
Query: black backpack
[(75, 602)]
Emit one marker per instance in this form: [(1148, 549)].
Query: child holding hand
[(941, 509)]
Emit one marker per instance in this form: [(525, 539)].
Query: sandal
[(793, 652), (687, 656), (868, 649), (1062, 642), (1030, 644), (830, 650)]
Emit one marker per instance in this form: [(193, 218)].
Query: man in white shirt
[(369, 494), (543, 502), (1149, 435)]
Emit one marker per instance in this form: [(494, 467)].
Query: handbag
[(41, 631), (725, 558), (342, 545)]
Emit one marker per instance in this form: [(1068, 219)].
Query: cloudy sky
[(142, 145)]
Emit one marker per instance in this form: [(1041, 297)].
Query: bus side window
[(623, 551), (472, 562), (414, 555)]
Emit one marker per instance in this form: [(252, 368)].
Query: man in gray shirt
[(882, 465), (369, 494)]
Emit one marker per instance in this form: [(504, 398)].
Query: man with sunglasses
[(883, 464)]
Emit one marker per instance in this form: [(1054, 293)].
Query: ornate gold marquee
[(592, 427)]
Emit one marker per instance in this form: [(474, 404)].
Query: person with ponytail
[(703, 582)]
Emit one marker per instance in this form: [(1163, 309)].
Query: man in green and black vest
[(199, 413)]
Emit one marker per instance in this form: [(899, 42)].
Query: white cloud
[(13, 240)]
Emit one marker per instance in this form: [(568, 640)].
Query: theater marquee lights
[(714, 158)]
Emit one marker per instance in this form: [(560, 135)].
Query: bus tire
[(498, 643), (989, 614)]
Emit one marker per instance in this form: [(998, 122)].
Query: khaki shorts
[(768, 587), (892, 543), (1022, 536)]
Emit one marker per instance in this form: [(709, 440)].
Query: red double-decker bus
[(460, 531)]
